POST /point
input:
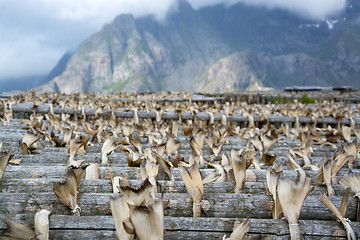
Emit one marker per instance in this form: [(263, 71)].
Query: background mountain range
[(217, 48)]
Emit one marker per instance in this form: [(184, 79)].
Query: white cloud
[(312, 9), (87, 9), (317, 10), (93, 11), (28, 55), (36, 33)]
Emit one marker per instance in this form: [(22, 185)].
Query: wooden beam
[(105, 186), (252, 175), (266, 227), (28, 107), (179, 204), (169, 235), (120, 159)]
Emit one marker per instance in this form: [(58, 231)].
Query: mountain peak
[(123, 19), (184, 6), (182, 12), (125, 22), (201, 49)]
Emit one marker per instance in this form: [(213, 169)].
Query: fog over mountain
[(238, 46), (38, 34)]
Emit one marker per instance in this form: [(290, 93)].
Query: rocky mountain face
[(216, 48)]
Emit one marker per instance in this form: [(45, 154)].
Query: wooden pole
[(28, 107)]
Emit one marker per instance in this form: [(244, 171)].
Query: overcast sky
[(34, 34)]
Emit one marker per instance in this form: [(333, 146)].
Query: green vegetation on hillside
[(305, 99)]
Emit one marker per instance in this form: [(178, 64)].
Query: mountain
[(59, 67), (217, 48)]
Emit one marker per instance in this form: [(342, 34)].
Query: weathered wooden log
[(5, 131), (39, 171), (105, 186), (171, 235), (179, 224), (179, 204), (28, 107), (279, 148), (45, 146), (12, 129), (120, 159), (234, 143), (17, 134), (317, 89), (149, 98)]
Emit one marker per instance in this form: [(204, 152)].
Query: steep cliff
[(216, 48)]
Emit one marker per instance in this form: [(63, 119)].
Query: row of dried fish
[(194, 183), (136, 211), (163, 139), (82, 101)]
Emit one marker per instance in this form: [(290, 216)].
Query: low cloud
[(316, 10), (27, 55), (35, 33), (91, 11)]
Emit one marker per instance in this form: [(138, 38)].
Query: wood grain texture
[(265, 227), (179, 204), (28, 107), (105, 186)]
